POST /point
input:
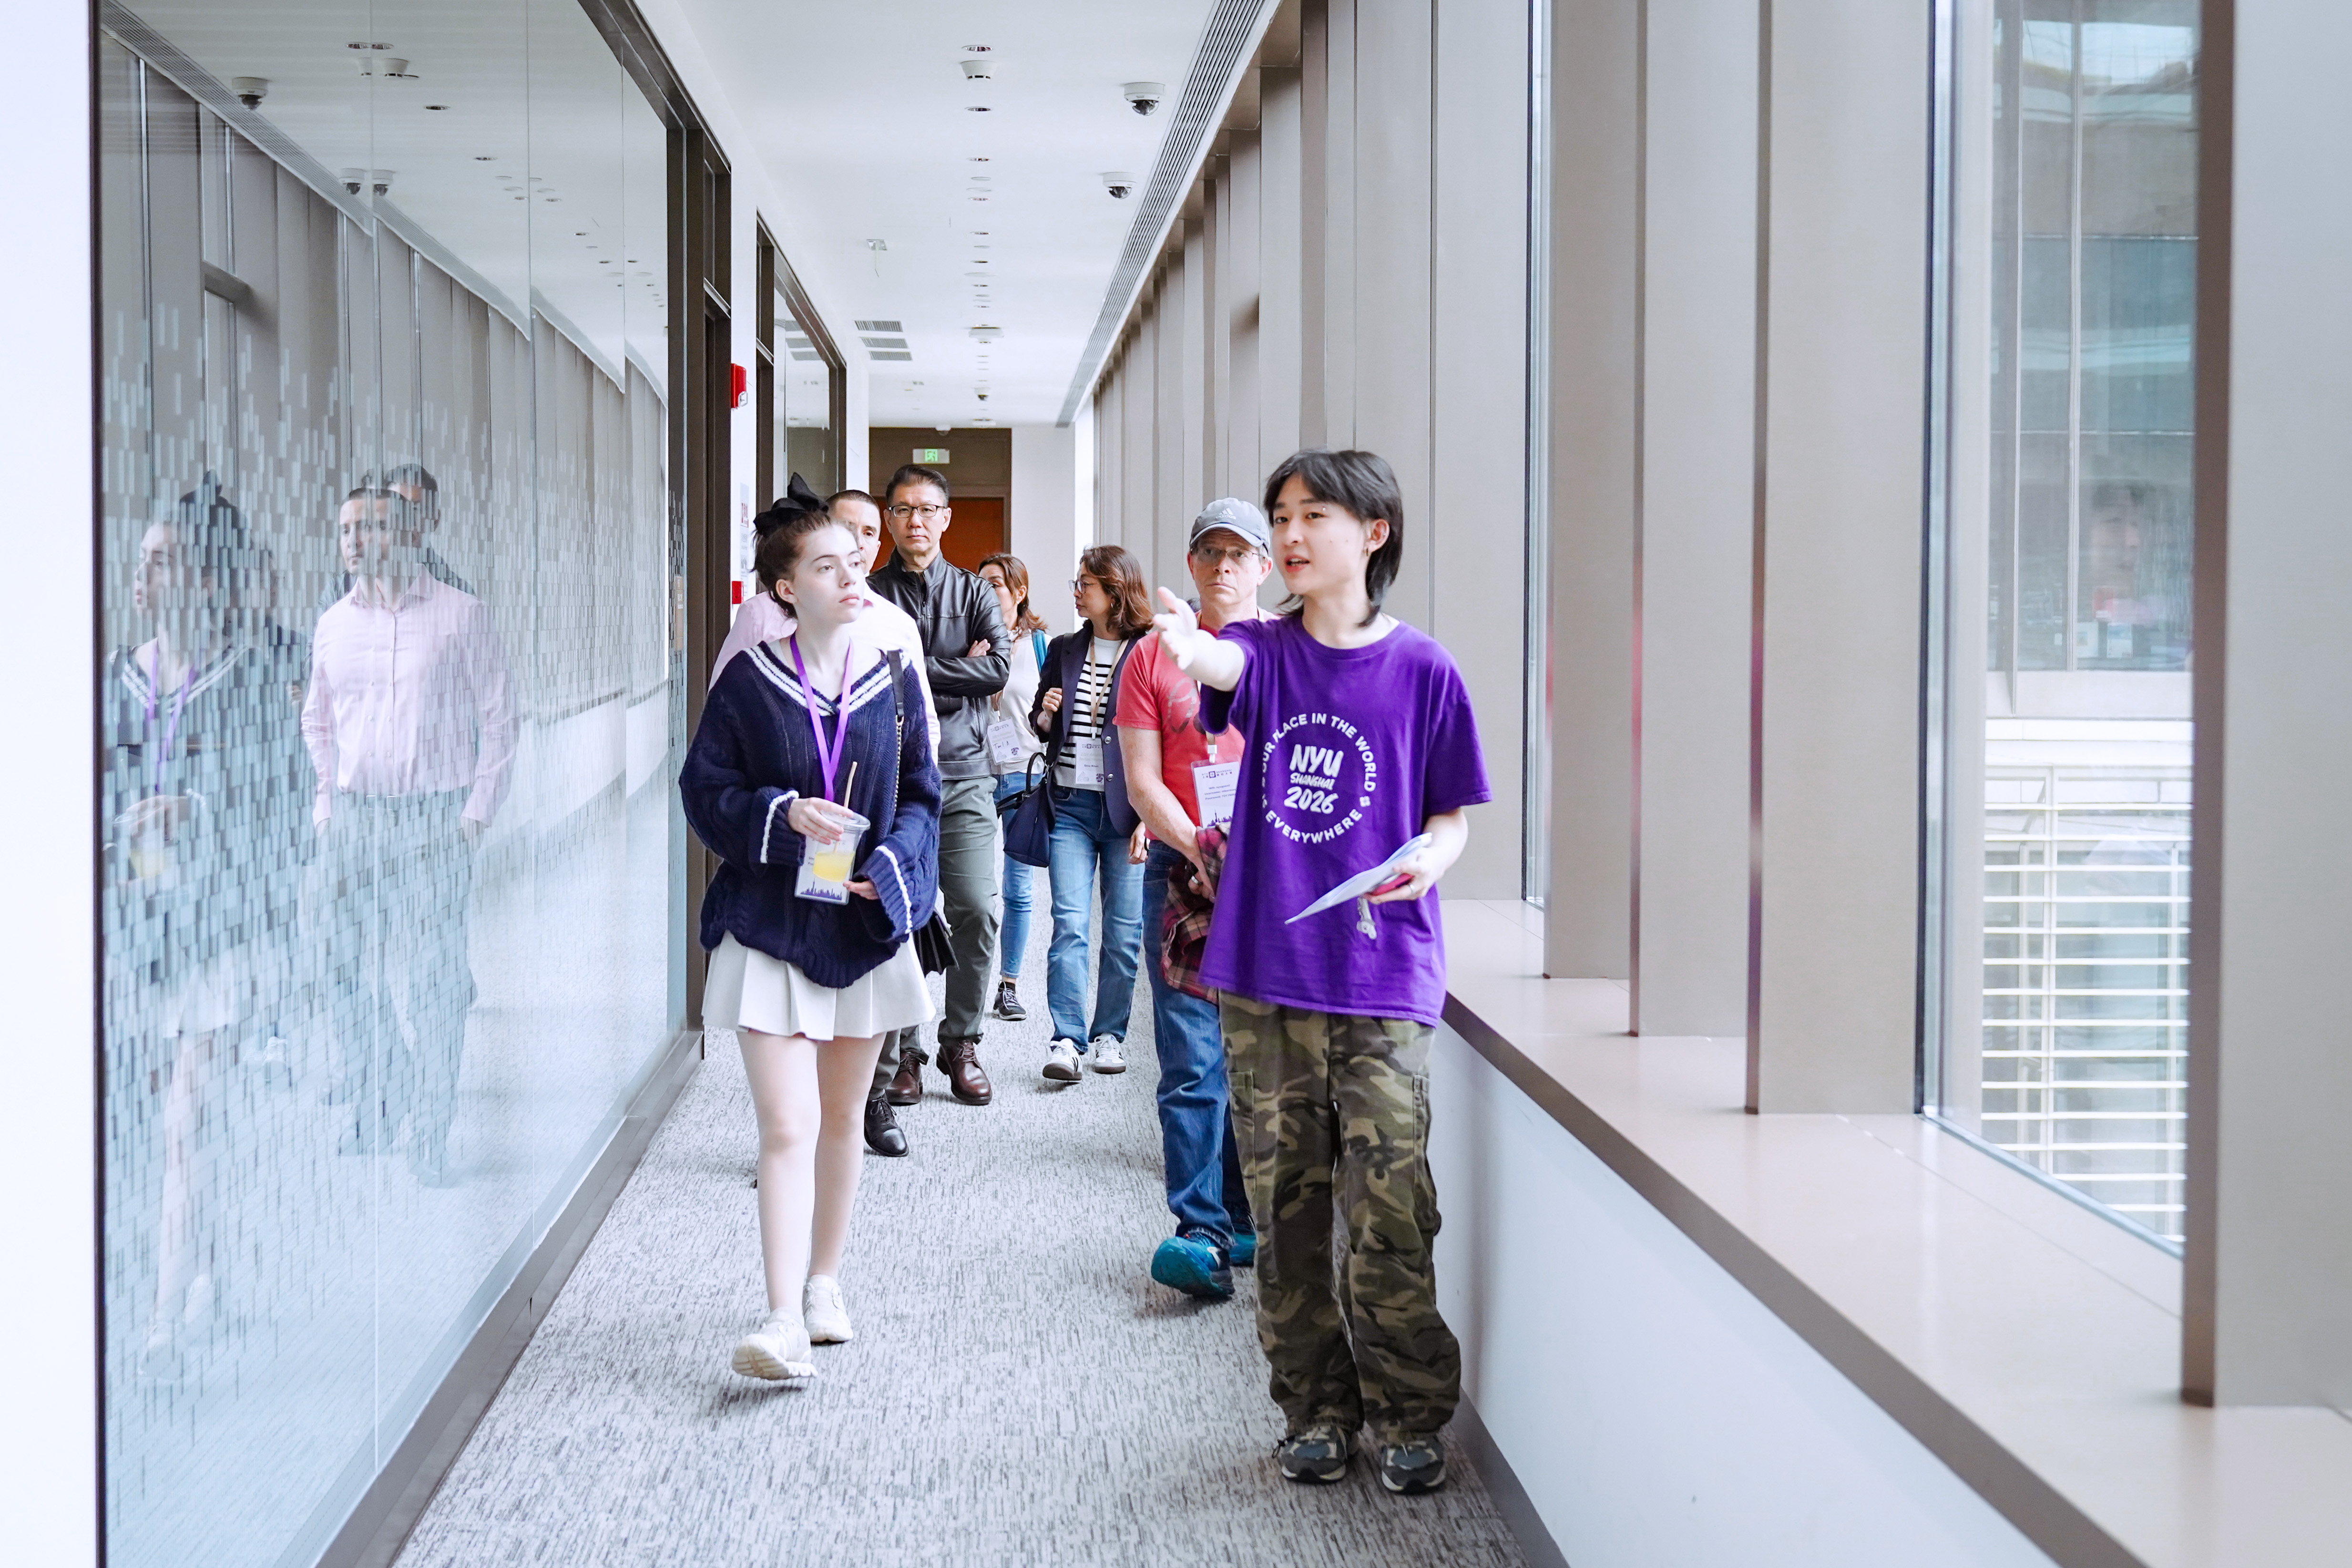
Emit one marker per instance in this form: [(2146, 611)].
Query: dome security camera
[(1143, 97), (1117, 181), (249, 89)]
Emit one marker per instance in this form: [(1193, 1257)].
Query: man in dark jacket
[(967, 654)]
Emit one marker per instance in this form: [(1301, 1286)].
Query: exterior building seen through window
[(2072, 250)]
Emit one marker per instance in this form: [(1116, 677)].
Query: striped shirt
[(1090, 710)]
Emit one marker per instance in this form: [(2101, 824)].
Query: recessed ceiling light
[(436, 106), (968, 48), (490, 158), (975, 109), (977, 160)]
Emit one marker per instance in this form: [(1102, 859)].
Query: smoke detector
[(987, 335), (979, 69)]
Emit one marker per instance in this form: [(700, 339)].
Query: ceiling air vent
[(888, 353), (880, 327)]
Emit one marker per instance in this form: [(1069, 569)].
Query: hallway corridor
[(1018, 1391)]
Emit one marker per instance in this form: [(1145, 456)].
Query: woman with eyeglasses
[(1097, 837)]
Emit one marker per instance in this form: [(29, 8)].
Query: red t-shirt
[(1155, 695)]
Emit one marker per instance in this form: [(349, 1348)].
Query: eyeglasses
[(902, 511), (1080, 585), (1235, 555)]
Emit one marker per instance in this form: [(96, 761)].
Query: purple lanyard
[(170, 725), (828, 757)]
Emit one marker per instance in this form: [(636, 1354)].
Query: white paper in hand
[(1362, 882)]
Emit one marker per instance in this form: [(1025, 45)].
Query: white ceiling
[(860, 114)]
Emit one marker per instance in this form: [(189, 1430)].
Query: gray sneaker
[(1318, 1453), (1414, 1465)]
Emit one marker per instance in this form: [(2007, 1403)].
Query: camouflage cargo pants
[(1330, 1107)]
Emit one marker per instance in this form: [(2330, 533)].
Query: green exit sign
[(936, 457)]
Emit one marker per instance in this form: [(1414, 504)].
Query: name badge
[(1004, 746), (1218, 785), (1086, 764)]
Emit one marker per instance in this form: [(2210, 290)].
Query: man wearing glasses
[(967, 653)]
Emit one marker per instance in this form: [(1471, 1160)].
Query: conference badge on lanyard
[(825, 868)]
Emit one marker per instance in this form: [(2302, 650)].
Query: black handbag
[(1029, 830), (933, 950)]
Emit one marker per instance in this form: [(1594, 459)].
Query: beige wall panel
[(1239, 309), (1475, 527), (1139, 467), (1182, 427), (1394, 48), (2269, 1318), (1833, 1025), (1281, 223), (1588, 923), (1697, 474)]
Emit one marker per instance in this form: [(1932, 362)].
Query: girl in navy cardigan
[(798, 734)]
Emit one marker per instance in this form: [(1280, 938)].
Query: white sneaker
[(778, 1350), (1106, 1055), (821, 1308), (1062, 1062)]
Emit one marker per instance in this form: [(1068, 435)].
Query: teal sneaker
[(1242, 1253), (1194, 1264)]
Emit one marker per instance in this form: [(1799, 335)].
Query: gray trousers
[(968, 878), (389, 912)]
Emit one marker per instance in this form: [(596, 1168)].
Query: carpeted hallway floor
[(1019, 1390)]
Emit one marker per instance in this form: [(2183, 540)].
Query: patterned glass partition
[(388, 700)]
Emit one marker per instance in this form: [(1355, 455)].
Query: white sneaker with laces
[(1062, 1062), (777, 1350), (1106, 1055), (821, 1310)]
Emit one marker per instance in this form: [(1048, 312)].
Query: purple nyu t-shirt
[(1350, 750)]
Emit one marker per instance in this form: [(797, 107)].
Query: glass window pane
[(2063, 1025), (385, 715)]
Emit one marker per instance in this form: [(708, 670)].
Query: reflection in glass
[(2069, 768), (806, 441), (385, 713)]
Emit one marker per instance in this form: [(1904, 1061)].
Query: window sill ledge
[(2029, 1344)]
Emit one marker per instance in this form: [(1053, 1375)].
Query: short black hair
[(418, 477), (914, 474), (1364, 484)]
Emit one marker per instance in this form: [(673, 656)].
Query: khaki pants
[(1332, 1110)]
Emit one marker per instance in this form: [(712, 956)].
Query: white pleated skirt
[(746, 989)]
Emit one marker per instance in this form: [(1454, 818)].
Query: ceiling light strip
[(1227, 44)]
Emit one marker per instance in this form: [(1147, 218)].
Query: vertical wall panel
[(1239, 307), (1391, 252), (1472, 534), (1836, 850), (1282, 222), (1698, 247), (1593, 158)]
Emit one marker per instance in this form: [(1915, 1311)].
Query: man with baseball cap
[(1179, 781)]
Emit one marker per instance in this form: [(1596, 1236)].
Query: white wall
[(1654, 1411), (48, 1443), (1046, 529)]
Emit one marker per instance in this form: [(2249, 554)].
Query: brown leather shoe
[(960, 1059), (907, 1083)]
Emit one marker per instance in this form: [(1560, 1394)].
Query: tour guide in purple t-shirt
[(1360, 738)]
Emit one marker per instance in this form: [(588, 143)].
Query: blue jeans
[(1196, 1126), (1086, 846), (1012, 932)]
